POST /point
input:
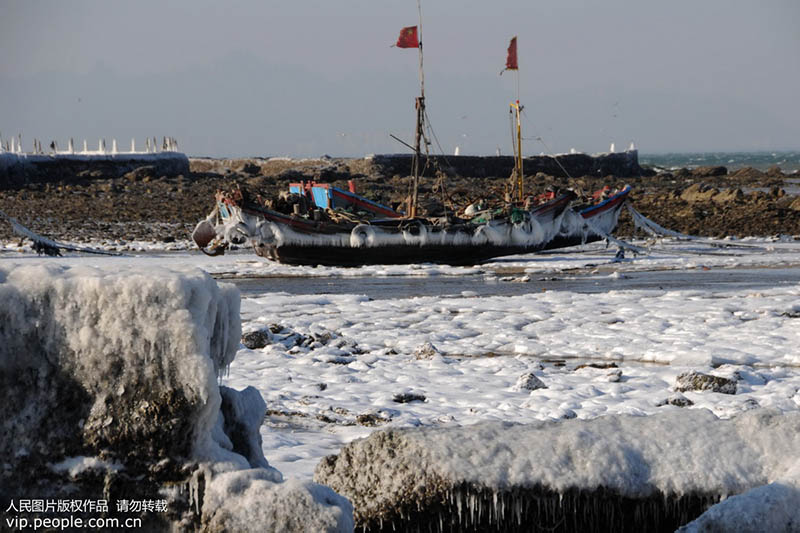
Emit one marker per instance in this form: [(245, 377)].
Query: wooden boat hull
[(297, 240), (389, 255)]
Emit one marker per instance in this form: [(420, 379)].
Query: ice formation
[(109, 389), (772, 507), (606, 472)]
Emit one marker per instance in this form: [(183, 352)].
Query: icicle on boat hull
[(590, 224)]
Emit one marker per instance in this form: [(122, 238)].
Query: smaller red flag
[(511, 60), (408, 38)]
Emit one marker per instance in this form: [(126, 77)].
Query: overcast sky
[(313, 77)]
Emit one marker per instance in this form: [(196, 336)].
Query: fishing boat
[(314, 227)]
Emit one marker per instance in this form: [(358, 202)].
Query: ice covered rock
[(617, 472), (771, 507), (529, 382), (242, 414), (677, 399), (248, 500), (108, 390), (697, 381), (426, 351)]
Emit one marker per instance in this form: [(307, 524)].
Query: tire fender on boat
[(415, 232), (362, 235)]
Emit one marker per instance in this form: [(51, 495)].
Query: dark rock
[(699, 193), (747, 174), (596, 365), (406, 397), (775, 171), (677, 399), (255, 340), (140, 173), (251, 168), (696, 381), (370, 419), (704, 172), (729, 195)]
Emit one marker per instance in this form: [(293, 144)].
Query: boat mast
[(518, 163), (516, 108), (419, 132)]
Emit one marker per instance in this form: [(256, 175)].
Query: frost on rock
[(528, 382), (619, 472), (426, 351), (772, 507), (242, 415), (248, 500), (697, 381), (108, 390), (677, 399)]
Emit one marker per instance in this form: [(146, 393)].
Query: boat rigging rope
[(539, 138), (441, 181)]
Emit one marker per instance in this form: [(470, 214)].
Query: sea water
[(788, 161)]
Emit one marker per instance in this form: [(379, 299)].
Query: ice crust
[(672, 454), (114, 334), (112, 371)]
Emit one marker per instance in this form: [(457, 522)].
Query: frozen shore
[(333, 368)]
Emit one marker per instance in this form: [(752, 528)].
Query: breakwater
[(19, 169), (621, 164)]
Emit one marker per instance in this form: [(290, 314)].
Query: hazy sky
[(313, 77)]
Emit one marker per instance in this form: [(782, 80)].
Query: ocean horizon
[(788, 161)]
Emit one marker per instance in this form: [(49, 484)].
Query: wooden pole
[(419, 130)]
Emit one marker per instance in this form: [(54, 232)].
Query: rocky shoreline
[(147, 204)]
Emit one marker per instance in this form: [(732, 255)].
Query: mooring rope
[(45, 245), (611, 239), (656, 230)]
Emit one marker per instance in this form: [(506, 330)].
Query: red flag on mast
[(511, 60), (408, 38)]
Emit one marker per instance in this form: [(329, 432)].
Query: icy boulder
[(108, 391), (772, 507), (614, 473)]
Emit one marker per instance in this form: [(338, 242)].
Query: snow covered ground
[(339, 366)]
